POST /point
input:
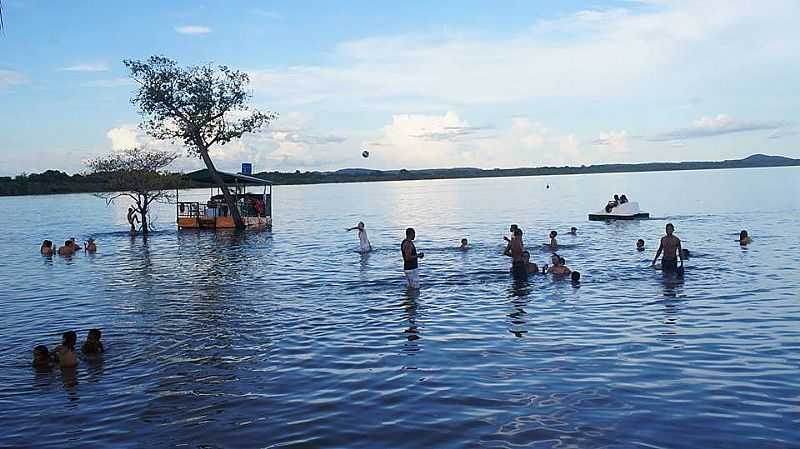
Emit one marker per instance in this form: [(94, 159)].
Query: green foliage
[(197, 105)]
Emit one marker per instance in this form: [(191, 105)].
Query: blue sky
[(419, 84)]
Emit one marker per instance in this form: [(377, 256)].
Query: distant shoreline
[(56, 182)]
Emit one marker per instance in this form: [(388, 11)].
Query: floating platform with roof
[(254, 207)]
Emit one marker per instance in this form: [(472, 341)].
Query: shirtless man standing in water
[(516, 250), (671, 247), (131, 218)]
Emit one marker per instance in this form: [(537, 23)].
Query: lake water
[(289, 338)]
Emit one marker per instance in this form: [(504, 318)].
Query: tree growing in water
[(137, 174), (200, 106)]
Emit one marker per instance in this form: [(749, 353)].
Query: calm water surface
[(289, 338)]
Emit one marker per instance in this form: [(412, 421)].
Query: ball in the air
[(365, 153)]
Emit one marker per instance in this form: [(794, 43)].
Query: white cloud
[(715, 126), (613, 141), (587, 55), (9, 78), (89, 67), (193, 29)]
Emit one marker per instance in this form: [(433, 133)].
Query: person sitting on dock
[(671, 247), (744, 239), (464, 245), (64, 353), (46, 248), (623, 199), (67, 249), (364, 245), (92, 345)]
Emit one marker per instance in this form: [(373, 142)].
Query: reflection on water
[(291, 338)]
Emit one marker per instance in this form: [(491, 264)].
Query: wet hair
[(41, 350), (526, 254), (464, 241), (575, 276), (562, 261), (742, 234), (47, 244), (573, 228), (553, 234), (94, 333), (670, 225), (513, 228), (640, 241), (517, 232), (410, 231), (68, 243), (69, 338)]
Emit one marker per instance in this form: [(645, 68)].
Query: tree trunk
[(143, 212), (212, 172)]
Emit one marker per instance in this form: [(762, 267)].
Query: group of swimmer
[(618, 199), (669, 249), (70, 247), (64, 355)]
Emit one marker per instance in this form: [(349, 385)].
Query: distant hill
[(54, 181)]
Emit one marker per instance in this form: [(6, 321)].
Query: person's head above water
[(464, 242), (410, 233), (575, 276), (69, 338), (513, 228), (526, 256), (573, 229), (94, 335), (517, 232), (41, 354), (670, 228), (743, 235), (553, 234), (562, 261), (555, 260), (640, 244)]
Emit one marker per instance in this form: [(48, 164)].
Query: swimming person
[(363, 242), (92, 345), (558, 268), (512, 230), (90, 246), (515, 250), (47, 248), (744, 239), (131, 218), (530, 266), (573, 231), (575, 277), (41, 357), (671, 247), (411, 259), (464, 245), (640, 245), (67, 249), (64, 353), (553, 241)]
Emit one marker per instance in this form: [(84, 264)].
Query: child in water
[(464, 244), (64, 354), (744, 239), (46, 248), (640, 245), (575, 277), (41, 357), (553, 241), (90, 246), (92, 345)]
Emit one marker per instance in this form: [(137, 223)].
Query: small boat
[(624, 211), (255, 208)]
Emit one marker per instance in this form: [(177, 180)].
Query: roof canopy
[(229, 178)]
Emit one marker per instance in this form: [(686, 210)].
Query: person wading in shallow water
[(671, 247), (132, 218), (411, 259), (516, 250)]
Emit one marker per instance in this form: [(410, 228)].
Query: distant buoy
[(365, 153), (548, 186)]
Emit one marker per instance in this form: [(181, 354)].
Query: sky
[(418, 84)]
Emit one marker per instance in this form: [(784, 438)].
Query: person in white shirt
[(364, 245)]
